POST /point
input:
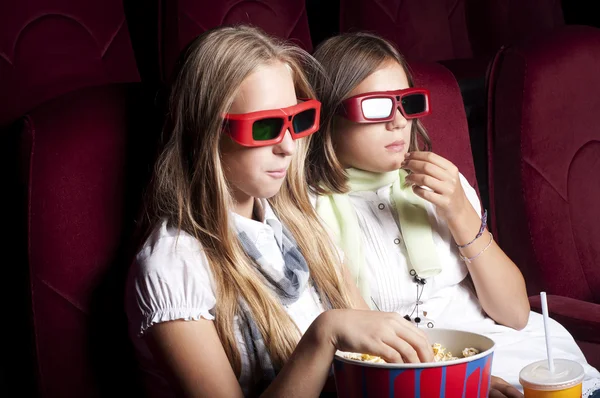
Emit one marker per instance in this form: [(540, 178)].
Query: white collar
[(373, 195), (267, 218)]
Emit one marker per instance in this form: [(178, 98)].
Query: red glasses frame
[(352, 110), (239, 126)]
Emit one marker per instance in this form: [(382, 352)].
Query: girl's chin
[(384, 163)]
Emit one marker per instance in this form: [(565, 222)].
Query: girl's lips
[(277, 173), (396, 146)]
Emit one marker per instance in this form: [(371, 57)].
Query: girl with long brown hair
[(409, 223)]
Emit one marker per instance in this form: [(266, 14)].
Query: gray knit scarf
[(287, 284)]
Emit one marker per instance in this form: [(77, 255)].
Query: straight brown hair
[(347, 60)]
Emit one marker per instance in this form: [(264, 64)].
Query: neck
[(243, 205)]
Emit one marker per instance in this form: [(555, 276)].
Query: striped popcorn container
[(460, 378)]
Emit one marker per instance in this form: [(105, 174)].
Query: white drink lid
[(537, 376)]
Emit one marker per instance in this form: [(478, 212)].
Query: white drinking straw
[(547, 332)]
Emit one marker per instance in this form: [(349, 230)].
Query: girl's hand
[(442, 178), (385, 334), (499, 388)]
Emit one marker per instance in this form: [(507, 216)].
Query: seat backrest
[(544, 150), (423, 31), (494, 23), (183, 20), (48, 48), (82, 162), (447, 124)]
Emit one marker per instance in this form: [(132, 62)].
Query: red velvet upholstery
[(423, 31), (447, 123), (544, 150), (183, 20), (543, 129), (494, 23), (444, 30), (48, 48), (581, 318), (81, 170)]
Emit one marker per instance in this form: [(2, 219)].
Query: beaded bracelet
[(481, 229), (470, 259)]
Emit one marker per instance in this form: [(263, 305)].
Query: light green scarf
[(340, 216)]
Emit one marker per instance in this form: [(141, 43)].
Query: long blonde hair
[(189, 188), (347, 60)]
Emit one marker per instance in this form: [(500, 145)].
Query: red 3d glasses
[(380, 106), (268, 127)]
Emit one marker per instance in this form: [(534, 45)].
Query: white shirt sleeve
[(169, 280)]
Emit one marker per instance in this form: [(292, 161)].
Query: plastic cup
[(539, 382)]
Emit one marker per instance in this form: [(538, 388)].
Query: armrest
[(581, 318)]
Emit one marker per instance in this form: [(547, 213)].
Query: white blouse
[(392, 286), (448, 300), (171, 279)]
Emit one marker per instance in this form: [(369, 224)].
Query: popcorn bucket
[(465, 377)]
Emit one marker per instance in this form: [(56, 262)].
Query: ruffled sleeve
[(169, 280)]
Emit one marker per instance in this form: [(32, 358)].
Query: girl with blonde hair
[(237, 289)]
